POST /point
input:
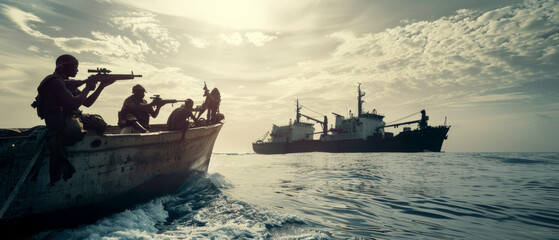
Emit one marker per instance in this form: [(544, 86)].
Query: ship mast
[(298, 117), (359, 101)]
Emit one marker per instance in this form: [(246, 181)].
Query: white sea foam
[(226, 218), (220, 181), (199, 210), (138, 223)]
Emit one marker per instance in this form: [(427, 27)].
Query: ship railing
[(341, 136)]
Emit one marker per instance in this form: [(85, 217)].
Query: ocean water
[(350, 196)]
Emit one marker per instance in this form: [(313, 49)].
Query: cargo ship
[(364, 132)]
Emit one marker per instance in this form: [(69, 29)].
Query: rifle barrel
[(120, 76)]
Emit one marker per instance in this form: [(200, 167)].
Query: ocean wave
[(523, 158), (137, 223), (199, 210)]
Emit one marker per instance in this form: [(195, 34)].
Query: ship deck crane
[(323, 123), (422, 122), (261, 139)]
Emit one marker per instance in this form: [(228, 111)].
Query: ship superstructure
[(363, 132)]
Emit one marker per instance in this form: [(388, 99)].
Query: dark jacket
[(132, 110), (55, 102), (178, 120)]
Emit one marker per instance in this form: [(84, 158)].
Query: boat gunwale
[(156, 133)]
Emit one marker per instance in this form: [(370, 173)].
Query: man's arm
[(65, 97), (157, 104), (93, 97), (72, 84), (156, 112), (194, 119)]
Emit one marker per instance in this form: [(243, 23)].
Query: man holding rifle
[(58, 103), (178, 120), (135, 113)]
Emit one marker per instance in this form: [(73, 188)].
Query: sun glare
[(239, 14), (235, 14)]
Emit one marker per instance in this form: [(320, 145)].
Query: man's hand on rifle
[(158, 102), (90, 84), (106, 83), (100, 78), (95, 78)]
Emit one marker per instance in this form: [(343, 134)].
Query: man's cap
[(65, 59), (138, 87)]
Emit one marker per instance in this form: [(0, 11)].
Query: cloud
[(145, 23), (259, 38), (22, 19), (456, 58), (232, 39), (235, 39), (543, 116), (101, 44), (198, 42), (56, 28), (104, 45), (20, 78), (256, 38), (496, 98), (240, 14), (34, 49)]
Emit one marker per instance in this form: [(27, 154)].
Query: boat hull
[(429, 139), (113, 171)]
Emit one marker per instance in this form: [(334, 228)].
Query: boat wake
[(199, 210)]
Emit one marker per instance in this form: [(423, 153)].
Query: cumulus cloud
[(145, 23), (483, 51), (105, 45)]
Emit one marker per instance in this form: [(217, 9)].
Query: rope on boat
[(23, 177)]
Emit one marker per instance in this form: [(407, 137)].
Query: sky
[(489, 67)]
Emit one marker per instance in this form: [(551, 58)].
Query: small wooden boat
[(113, 171)]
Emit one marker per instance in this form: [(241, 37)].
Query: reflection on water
[(401, 195)]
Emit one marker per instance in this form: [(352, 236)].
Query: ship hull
[(113, 172), (429, 139)]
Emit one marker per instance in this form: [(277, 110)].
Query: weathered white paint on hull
[(107, 167)]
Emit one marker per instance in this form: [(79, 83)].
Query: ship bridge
[(292, 132), (363, 125)]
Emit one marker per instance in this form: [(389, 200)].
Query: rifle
[(103, 75), (157, 98), (206, 91)]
